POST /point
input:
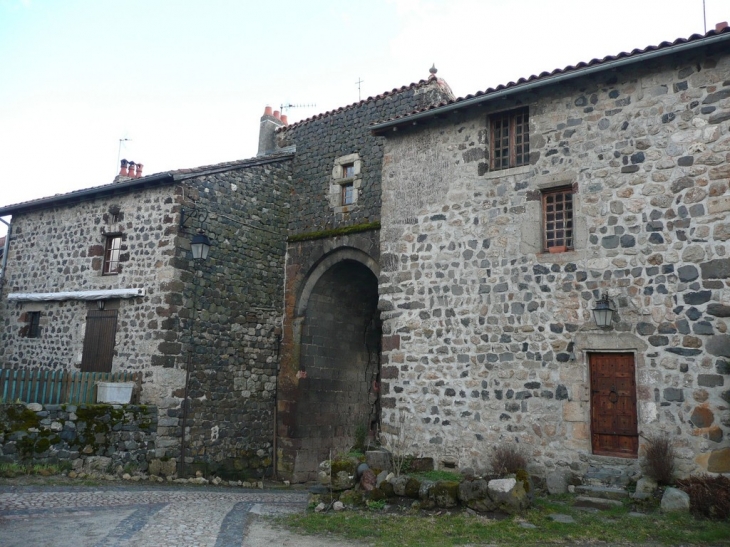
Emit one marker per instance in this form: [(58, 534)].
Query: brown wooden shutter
[(101, 328)]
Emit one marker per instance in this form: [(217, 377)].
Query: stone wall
[(320, 141), (324, 144), (479, 323), (117, 435), (232, 305)]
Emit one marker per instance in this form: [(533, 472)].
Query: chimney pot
[(123, 170), (139, 170), (721, 26), (267, 111), (132, 167), (277, 114), (284, 119)]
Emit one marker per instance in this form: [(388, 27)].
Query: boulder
[(324, 473), (382, 476), (378, 459), (646, 485), (344, 474), (674, 499), (338, 506), (557, 482), (368, 480), (444, 494), (475, 495), (508, 495), (399, 485)]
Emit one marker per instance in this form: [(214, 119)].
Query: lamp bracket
[(192, 213)]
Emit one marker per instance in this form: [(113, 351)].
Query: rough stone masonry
[(481, 326)]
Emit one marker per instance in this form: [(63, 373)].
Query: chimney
[(721, 26), (123, 170), (132, 174), (139, 170), (270, 122), (284, 119)]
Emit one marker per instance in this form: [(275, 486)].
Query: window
[(32, 327), (111, 255), (557, 210), (348, 171), (510, 142), (348, 194)]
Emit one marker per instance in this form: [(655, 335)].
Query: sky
[(185, 82)]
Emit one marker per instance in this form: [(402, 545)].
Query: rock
[(338, 506), (35, 407), (557, 482), (368, 480), (674, 499), (445, 493), (361, 469), (565, 519), (97, 464), (164, 468), (378, 459), (382, 476), (344, 473), (527, 525), (508, 495), (399, 485), (324, 473), (217, 481), (126, 477), (596, 503), (646, 485), (475, 495), (321, 507), (719, 461)]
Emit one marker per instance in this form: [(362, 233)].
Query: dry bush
[(659, 459), (507, 459), (709, 496), (399, 443)]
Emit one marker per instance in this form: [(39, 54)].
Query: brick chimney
[(720, 26), (129, 170), (270, 122)]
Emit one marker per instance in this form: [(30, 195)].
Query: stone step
[(601, 504), (606, 477), (605, 492)]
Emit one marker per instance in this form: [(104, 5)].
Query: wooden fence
[(57, 386)]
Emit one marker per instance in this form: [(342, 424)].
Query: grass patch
[(422, 530), (12, 470)]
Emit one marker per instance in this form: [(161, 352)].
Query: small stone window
[(344, 188), (32, 328), (557, 223), (510, 139), (112, 250)]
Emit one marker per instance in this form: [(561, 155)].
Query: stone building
[(102, 279), (415, 255), (507, 215)]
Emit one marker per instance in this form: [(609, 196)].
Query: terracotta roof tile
[(559, 71)]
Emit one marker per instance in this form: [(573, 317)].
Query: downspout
[(6, 248)]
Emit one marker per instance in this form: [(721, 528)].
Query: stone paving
[(109, 516)]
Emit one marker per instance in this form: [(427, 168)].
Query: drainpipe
[(6, 248)]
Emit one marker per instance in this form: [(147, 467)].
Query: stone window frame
[(511, 118), (109, 250), (340, 182), (546, 193)]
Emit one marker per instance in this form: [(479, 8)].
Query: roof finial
[(433, 70)]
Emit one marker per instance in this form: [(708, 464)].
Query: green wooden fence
[(56, 386)]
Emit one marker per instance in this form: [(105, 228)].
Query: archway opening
[(338, 394)]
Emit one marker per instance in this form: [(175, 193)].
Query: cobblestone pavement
[(109, 516)]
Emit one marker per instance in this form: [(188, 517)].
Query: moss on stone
[(524, 477), (335, 232), (413, 486), (21, 419), (42, 445)]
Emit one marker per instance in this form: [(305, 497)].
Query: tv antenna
[(290, 105), (704, 15), (119, 154), (359, 81)]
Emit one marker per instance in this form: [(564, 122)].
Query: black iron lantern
[(200, 245), (603, 313)]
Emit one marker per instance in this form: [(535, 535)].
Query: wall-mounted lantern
[(603, 312), (200, 245)]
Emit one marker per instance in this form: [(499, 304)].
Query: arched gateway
[(337, 331)]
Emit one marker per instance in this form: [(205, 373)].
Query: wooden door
[(614, 430), (101, 329)]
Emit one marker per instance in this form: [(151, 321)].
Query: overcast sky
[(188, 80)]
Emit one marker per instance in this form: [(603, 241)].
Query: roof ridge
[(394, 91), (559, 71)]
